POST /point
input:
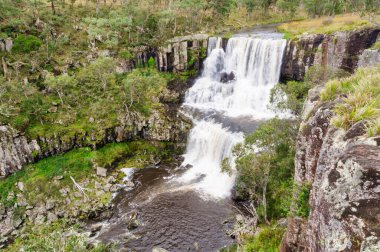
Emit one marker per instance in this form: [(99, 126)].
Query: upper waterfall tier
[(238, 80)]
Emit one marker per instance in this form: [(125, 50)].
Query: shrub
[(26, 44), (302, 202), (267, 240)]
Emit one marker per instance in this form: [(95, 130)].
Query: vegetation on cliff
[(358, 99)]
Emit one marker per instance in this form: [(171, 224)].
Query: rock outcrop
[(6, 44), (340, 50), (180, 54), (343, 169), (370, 57), (163, 124)]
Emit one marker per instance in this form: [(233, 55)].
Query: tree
[(264, 165), (143, 88), (289, 6), (60, 84)]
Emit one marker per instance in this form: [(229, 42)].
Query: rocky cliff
[(339, 50), (180, 54), (342, 168), (163, 124)]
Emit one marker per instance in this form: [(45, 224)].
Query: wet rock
[(188, 166), (227, 77), (156, 161), (129, 184), (102, 172)]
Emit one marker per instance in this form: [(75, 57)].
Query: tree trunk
[(52, 6), (5, 68), (97, 8), (60, 97), (265, 204)]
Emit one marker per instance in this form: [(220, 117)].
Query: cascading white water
[(235, 82)]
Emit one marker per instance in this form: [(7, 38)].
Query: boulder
[(102, 172), (227, 77)]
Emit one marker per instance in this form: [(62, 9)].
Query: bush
[(302, 203), (265, 165), (26, 44), (267, 240)]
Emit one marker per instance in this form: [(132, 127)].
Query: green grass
[(79, 163), (359, 97), (57, 236), (376, 46), (267, 240), (325, 25)]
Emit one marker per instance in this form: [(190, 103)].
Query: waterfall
[(234, 83)]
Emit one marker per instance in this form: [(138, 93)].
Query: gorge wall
[(339, 50), (340, 166)]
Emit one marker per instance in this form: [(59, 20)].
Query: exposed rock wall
[(180, 54), (6, 44), (339, 50), (370, 57), (17, 150), (343, 168)]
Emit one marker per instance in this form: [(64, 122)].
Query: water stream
[(189, 208)]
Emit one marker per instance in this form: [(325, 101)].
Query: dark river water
[(169, 216)]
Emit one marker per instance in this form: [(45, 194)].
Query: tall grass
[(326, 25), (359, 99)]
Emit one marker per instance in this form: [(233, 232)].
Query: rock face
[(339, 50), (6, 44), (180, 54), (343, 169), (370, 57), (16, 149)]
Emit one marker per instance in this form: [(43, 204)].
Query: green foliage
[(143, 88), (376, 46), (267, 240), (57, 236), (302, 202), (26, 44), (290, 96), (265, 164), (79, 163)]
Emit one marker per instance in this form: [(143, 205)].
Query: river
[(189, 207)]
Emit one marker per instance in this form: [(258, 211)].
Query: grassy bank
[(80, 164), (326, 25)]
